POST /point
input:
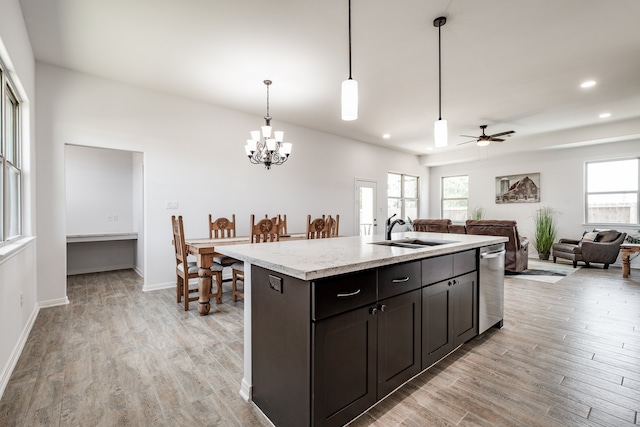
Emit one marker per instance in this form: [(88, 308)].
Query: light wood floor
[(569, 354)]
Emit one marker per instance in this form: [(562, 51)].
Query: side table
[(626, 249)]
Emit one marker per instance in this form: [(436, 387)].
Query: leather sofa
[(599, 246), (517, 256), (432, 225)]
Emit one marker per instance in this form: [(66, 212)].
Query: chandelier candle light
[(267, 150), (440, 126)]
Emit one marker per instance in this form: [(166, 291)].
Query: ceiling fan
[(484, 139)]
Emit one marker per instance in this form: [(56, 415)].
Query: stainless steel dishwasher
[(491, 286)]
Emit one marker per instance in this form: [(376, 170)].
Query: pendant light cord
[(350, 40), (439, 76)]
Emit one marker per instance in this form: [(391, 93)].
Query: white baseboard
[(246, 390), (54, 302), (17, 350), (158, 286)]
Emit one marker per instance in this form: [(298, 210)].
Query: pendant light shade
[(349, 88), (440, 127), (349, 100), (440, 133)]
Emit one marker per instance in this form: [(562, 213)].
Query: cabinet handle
[(382, 307), (348, 294), (450, 283), (455, 282), (404, 279), (373, 310)]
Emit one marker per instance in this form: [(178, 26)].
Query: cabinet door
[(437, 326), (464, 293), (399, 347), (344, 366)]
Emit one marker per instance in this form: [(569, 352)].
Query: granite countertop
[(317, 258)]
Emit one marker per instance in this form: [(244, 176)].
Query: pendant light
[(349, 88), (440, 126)]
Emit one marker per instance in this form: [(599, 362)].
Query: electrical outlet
[(115, 217), (109, 217), (172, 204)]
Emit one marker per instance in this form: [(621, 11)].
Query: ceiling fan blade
[(509, 132), (470, 136), (496, 139), (466, 142)]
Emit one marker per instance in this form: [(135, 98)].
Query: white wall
[(99, 189), (561, 184), (193, 154), (18, 275)]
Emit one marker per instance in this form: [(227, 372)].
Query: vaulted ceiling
[(512, 65)]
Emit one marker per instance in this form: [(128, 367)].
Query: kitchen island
[(334, 325)]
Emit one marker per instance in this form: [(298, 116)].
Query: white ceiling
[(513, 65)]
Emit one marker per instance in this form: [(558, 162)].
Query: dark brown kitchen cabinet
[(449, 303), (362, 355), (449, 316), (399, 323), (344, 367), (326, 350)]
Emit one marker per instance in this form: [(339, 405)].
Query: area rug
[(544, 271)]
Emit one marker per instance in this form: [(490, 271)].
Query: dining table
[(204, 250)]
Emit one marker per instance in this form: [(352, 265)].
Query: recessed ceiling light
[(386, 136), (589, 83), (604, 115)]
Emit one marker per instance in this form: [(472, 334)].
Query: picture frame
[(522, 188)]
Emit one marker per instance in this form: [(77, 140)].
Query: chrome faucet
[(390, 226)]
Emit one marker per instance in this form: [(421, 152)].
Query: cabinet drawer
[(339, 294), (437, 269), (398, 279), (464, 262)]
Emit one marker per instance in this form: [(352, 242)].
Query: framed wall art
[(523, 188)]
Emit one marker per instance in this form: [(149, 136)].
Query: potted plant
[(477, 213), (545, 231)]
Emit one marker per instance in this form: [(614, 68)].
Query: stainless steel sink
[(412, 243)]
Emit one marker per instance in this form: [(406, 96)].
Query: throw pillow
[(589, 237)]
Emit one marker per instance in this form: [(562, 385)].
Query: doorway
[(366, 207), (104, 209)]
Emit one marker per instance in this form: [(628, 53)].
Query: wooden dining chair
[(223, 228), (237, 271), (334, 225), (319, 228), (264, 230), (282, 221), (186, 270)]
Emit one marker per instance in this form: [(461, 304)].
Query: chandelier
[(267, 150)]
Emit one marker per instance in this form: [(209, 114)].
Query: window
[(455, 197), (612, 191), (402, 195), (10, 167)]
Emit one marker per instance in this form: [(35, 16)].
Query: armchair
[(517, 256), (601, 247)]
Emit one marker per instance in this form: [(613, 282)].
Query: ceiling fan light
[(483, 142), (349, 100), (440, 133)]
